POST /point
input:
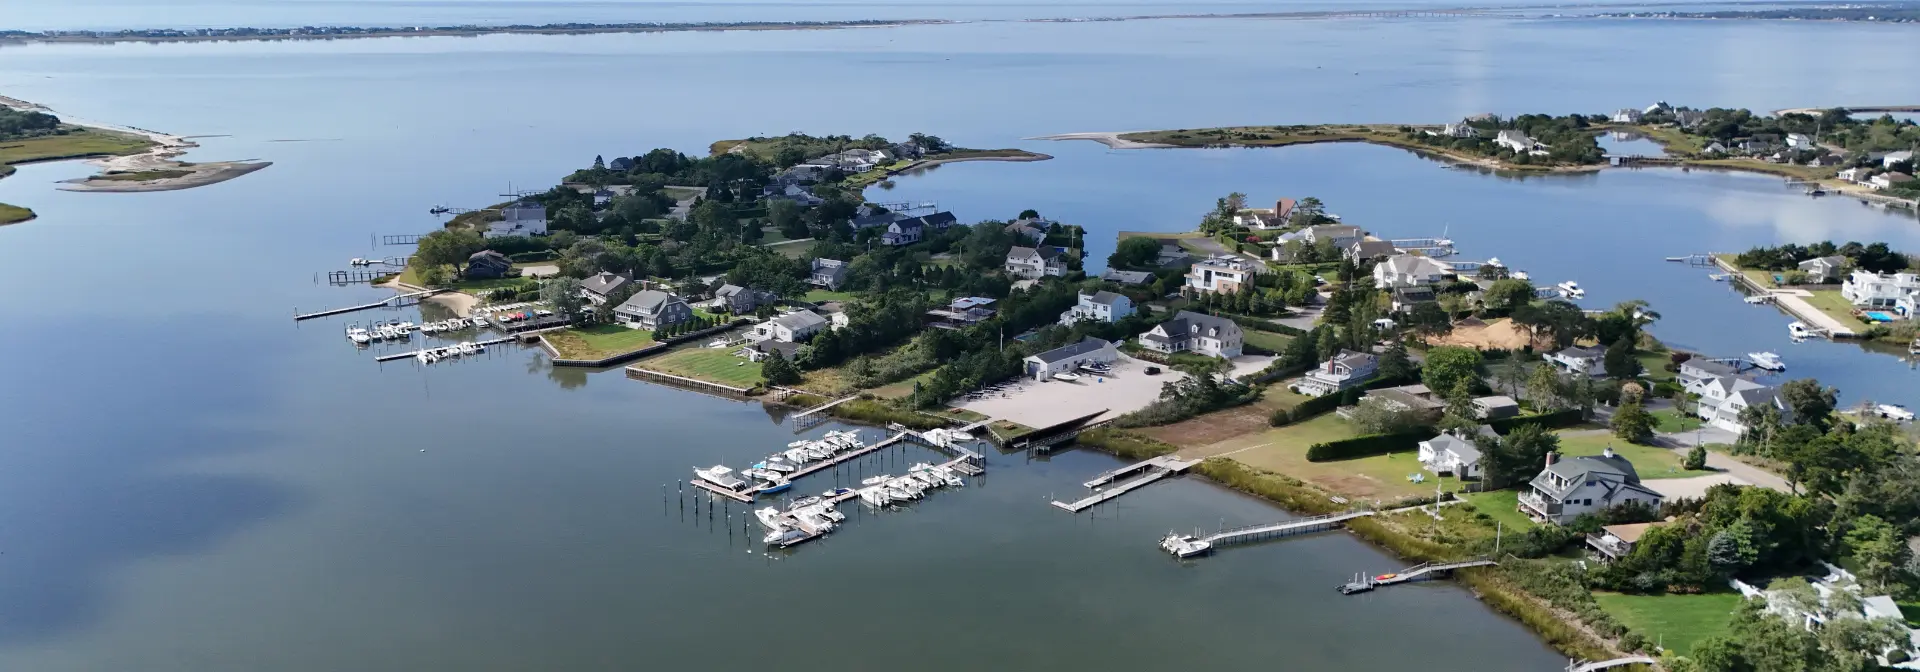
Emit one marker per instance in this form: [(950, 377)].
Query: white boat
[(358, 335), (957, 436), (721, 476), (1069, 377), (471, 348), (874, 496), (818, 451), (761, 473), (804, 502), (1798, 330), (1571, 289), (424, 357), (1894, 412), (1766, 360), (876, 480), (797, 456), (799, 444), (1758, 299), (913, 488), (771, 517), (947, 475), (784, 536), (896, 493), (1184, 546)]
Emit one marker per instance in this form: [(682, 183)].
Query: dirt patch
[(1501, 334), (1211, 428)]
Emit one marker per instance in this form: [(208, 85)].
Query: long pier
[(381, 303), (1584, 666), (416, 353), (1147, 473), (1250, 533), (810, 418), (1420, 572)]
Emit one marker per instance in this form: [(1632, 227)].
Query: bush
[(1123, 444), (1279, 418), (1364, 446)]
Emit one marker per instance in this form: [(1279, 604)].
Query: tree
[(1448, 366), (1511, 374), (1460, 413), (1137, 252), (1620, 361), (1516, 457), (1696, 459), (1734, 548), (1632, 423), (564, 295), (1810, 403), (1029, 213), (1508, 294), (778, 371), (1543, 388), (784, 215), (1371, 416), (1880, 550), (1428, 319), (448, 247), (1394, 363)]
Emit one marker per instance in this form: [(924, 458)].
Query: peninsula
[(470, 30)]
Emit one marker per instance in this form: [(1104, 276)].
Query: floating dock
[(1110, 484), (297, 317), (1420, 572), (416, 353)]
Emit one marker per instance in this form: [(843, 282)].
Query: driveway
[(1681, 442)]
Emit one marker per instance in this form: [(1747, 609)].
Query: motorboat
[(1798, 330), (804, 502), (762, 474), (799, 444), (1571, 289), (771, 517), (777, 464), (876, 480), (1183, 546), (1069, 377), (778, 486), (1766, 360), (785, 536), (819, 451), (836, 492), (875, 496), (956, 436), (913, 488), (425, 357), (896, 493), (439, 210), (1894, 412), (947, 475), (1759, 299), (358, 335), (722, 476), (798, 456)]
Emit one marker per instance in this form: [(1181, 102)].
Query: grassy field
[(821, 295), (1758, 166), (1502, 506), (78, 142), (10, 214), (143, 175), (598, 341), (1267, 339), (1655, 365), (903, 388), (1674, 421), (1673, 139), (1674, 621), (1282, 136), (709, 364), (1830, 301), (1284, 450), (1650, 461)]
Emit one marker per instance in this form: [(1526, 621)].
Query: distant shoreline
[(350, 33)]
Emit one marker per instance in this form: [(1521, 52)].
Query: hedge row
[(1552, 420), (1365, 446), (1264, 325)]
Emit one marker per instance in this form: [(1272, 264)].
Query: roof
[(799, 319), (485, 254), (1353, 359), (1831, 260), (1406, 396), (938, 220), (1128, 277), (1413, 264), (1413, 293), (1090, 344), (728, 290), (1334, 230), (1104, 298), (604, 283), (1496, 401), (1577, 471), (1708, 367), (966, 302), (1466, 450), (1581, 352), (1630, 533), (1024, 254), (648, 301), (1372, 248)]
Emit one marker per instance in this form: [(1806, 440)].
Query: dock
[(810, 418), (1286, 528), (1109, 485), (962, 460), (1791, 301), (416, 353), (297, 317), (1421, 572)]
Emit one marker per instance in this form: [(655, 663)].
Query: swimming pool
[(1878, 316)]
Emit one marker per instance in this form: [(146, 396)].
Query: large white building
[(1196, 333), (1569, 488), (1344, 370), (1409, 270), (1723, 397), (1219, 274), (519, 219), (1065, 359), (1035, 263), (1102, 306), (792, 327), (1879, 290)]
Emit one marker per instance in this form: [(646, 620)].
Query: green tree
[(1508, 294), (1429, 320), (1516, 457), (1137, 252), (1696, 459), (784, 215), (448, 247), (778, 371), (1543, 388), (1632, 423), (1880, 551), (1733, 548), (1510, 375), (1395, 364), (1448, 366), (564, 295), (1460, 414), (1372, 417), (1620, 361), (1810, 402)]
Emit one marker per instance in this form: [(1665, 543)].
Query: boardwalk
[(416, 353), (1107, 487), (1582, 666), (1240, 535), (963, 460), (1420, 572)]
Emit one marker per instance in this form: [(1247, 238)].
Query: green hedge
[(1553, 420), (1264, 325), (1365, 446)]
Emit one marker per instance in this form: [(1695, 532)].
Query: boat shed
[(1065, 359)]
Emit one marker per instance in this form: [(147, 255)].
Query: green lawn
[(1650, 461), (709, 364), (11, 214), (598, 341), (1502, 506), (78, 142), (821, 296), (1830, 301), (1676, 622), (903, 388), (1284, 450), (1266, 339), (1655, 365), (1674, 421)]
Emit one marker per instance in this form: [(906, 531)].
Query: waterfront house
[(1518, 141), (1495, 407), (1909, 305), (1714, 148), (1616, 541), (653, 309), (487, 264), (1890, 180), (961, 313), (828, 273), (1755, 146), (1454, 453), (742, 300), (620, 164), (1196, 333), (1032, 230), (1689, 118), (1878, 290), (1696, 373), (1369, 250), (1722, 398), (1034, 263), (1414, 399), (1406, 298), (1065, 359), (1887, 160), (1799, 141), (1127, 277), (1823, 269), (1569, 488), (1409, 270), (1855, 175), (791, 191), (520, 219), (1459, 130), (1219, 274), (1625, 115), (1266, 218), (1341, 235), (1578, 359), (1339, 372), (903, 232), (597, 287), (1659, 106), (1102, 306), (793, 327)]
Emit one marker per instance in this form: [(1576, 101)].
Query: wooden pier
[(963, 460), (1288, 528), (1108, 485), (1584, 666), (416, 353), (812, 417), (297, 317), (1420, 572)]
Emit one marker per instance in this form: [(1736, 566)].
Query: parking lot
[(1039, 405)]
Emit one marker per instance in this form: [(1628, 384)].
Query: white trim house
[(1569, 488)]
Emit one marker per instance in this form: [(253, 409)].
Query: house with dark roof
[(597, 287), (1127, 277), (620, 164), (903, 232), (828, 273), (1341, 371), (487, 264), (1696, 373), (1723, 398), (1454, 453), (1582, 360), (1571, 487), (1369, 250), (1101, 306), (1405, 298), (1415, 399), (1195, 333), (1495, 407), (1824, 269), (961, 313), (653, 309), (1341, 235), (1065, 359), (741, 300)]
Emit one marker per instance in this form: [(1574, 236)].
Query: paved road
[(1681, 442)]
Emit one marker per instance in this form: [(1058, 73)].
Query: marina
[(431, 355), (778, 472)]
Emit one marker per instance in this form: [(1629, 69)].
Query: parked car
[(1153, 370)]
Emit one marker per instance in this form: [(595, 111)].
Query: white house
[(1409, 270), (1342, 235), (903, 232), (1568, 488), (1722, 398), (1891, 158), (1266, 218), (1625, 115), (1799, 141), (1577, 359), (1855, 175), (1065, 359), (1697, 373), (1102, 306), (1219, 274), (1456, 130), (1033, 264), (1518, 141), (1822, 269), (1714, 148), (792, 327), (1889, 180), (1369, 250), (1454, 454), (519, 219), (1196, 333), (1877, 290), (1344, 370), (828, 273)]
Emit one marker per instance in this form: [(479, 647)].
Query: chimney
[(1550, 458), (1608, 452)]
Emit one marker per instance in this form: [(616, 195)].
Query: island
[(236, 34), (1874, 12)]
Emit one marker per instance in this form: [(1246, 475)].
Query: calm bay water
[(192, 482)]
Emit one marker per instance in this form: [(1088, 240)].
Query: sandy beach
[(461, 303), (1112, 140), (163, 156)]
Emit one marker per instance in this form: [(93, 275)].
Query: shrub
[(1279, 418), (1552, 420), (1364, 446)]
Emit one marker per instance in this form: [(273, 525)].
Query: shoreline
[(460, 31), (1118, 140), (160, 158)]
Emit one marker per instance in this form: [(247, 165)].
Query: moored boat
[(1766, 360)]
